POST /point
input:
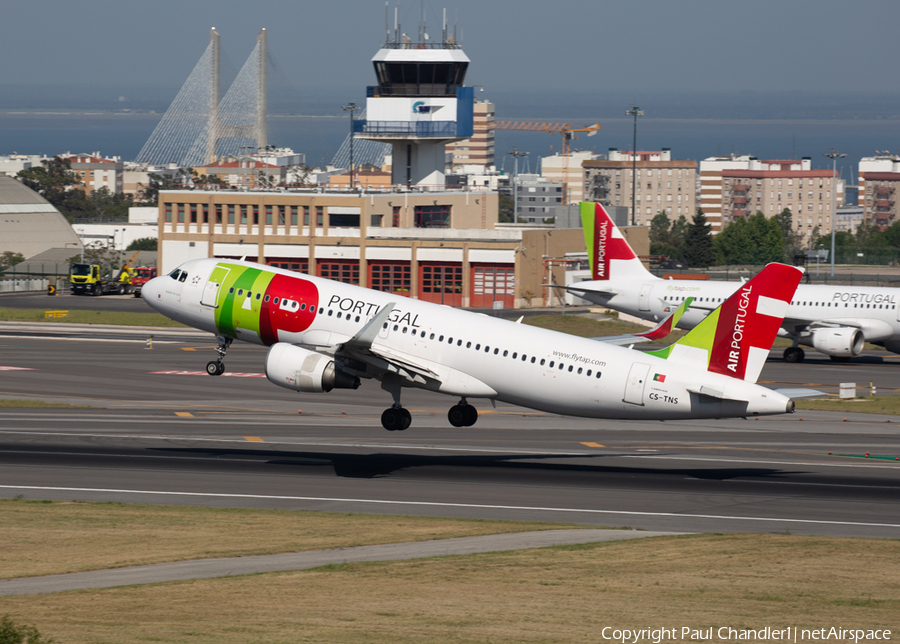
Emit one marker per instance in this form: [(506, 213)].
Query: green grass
[(15, 403), (889, 405), (123, 318), (55, 537)]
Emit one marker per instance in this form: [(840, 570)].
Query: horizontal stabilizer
[(713, 393), (799, 392)]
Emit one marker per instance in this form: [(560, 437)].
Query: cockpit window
[(174, 274), (183, 276)]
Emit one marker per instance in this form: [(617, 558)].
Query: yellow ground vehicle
[(85, 280)]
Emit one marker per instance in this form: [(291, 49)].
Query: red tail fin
[(610, 255)]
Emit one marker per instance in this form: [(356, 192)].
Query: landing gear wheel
[(215, 368), (396, 419), (471, 415), (457, 416), (840, 358), (794, 354)]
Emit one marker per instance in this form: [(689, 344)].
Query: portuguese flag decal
[(659, 377)]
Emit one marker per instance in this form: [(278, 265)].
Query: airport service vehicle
[(85, 279), (324, 335), (835, 320), (140, 276)]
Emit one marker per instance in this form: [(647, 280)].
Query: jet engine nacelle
[(841, 341), (293, 367)]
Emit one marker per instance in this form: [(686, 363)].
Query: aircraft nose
[(151, 292)]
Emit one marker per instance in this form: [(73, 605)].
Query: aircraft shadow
[(370, 466)]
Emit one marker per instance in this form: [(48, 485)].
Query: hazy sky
[(515, 45)]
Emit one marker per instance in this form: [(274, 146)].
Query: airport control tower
[(419, 104)]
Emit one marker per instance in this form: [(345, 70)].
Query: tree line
[(758, 240)]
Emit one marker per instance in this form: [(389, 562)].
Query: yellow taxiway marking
[(188, 349), (254, 439), (593, 444), (184, 414)]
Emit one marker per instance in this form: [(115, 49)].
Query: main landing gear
[(217, 367), (462, 415), (794, 354), (395, 418)]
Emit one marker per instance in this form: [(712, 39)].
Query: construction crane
[(568, 132)]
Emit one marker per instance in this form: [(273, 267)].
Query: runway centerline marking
[(233, 374), (479, 506)]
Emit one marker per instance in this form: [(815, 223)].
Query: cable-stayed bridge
[(199, 127)]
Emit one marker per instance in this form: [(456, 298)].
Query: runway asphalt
[(158, 430)]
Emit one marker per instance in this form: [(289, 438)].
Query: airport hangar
[(438, 246)]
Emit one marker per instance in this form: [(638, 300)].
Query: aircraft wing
[(359, 349), (658, 332)]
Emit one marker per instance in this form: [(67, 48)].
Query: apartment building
[(660, 183), (95, 171), (772, 186), (739, 186), (879, 179), (568, 172), (478, 149), (538, 197)]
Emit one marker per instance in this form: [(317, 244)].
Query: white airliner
[(324, 334), (835, 320)]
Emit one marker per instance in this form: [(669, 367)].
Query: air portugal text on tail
[(605, 245), (326, 335)]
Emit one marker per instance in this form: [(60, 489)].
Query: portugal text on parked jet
[(835, 320), (324, 334)]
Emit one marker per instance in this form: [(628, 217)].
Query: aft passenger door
[(644, 301), (634, 385)]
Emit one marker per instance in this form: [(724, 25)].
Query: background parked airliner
[(324, 334), (835, 320)]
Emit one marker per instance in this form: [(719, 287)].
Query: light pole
[(515, 155), (635, 111), (834, 156), (352, 107)]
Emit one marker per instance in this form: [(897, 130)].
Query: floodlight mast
[(635, 111), (834, 156)]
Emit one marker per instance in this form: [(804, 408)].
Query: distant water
[(123, 134)]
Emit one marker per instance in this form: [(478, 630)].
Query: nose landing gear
[(217, 367)]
